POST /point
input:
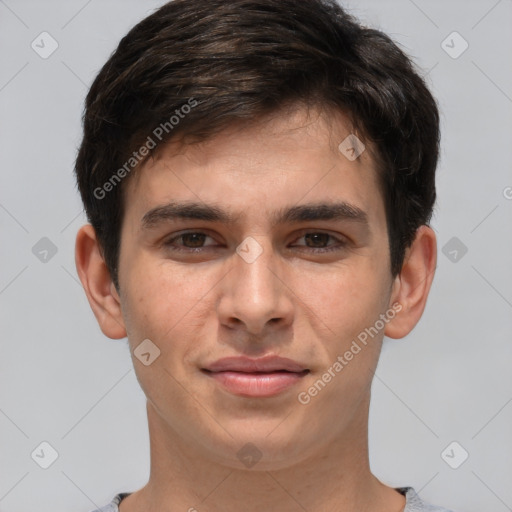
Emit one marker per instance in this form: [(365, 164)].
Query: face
[(264, 241)]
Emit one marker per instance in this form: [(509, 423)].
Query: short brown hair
[(239, 60)]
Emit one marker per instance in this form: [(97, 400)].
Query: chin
[(264, 449)]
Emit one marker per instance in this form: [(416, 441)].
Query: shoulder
[(415, 504)]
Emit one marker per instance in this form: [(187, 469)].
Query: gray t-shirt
[(413, 503)]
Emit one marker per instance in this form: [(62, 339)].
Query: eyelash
[(315, 250)]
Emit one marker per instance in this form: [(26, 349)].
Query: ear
[(99, 288), (411, 287)]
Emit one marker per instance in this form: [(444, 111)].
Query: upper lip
[(249, 365)]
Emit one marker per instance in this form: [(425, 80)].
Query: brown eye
[(318, 240), (193, 240)]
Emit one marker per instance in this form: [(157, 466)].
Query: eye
[(318, 241), (196, 241), (190, 241)]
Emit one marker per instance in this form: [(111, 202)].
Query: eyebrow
[(211, 213)]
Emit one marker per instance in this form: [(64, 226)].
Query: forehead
[(288, 158)]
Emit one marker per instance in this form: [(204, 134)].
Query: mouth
[(261, 378)]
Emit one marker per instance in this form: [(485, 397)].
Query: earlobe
[(412, 286), (95, 277)]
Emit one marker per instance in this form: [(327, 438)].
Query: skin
[(291, 301)]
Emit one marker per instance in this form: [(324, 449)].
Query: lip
[(249, 365), (264, 377)]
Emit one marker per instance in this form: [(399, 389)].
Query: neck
[(334, 476)]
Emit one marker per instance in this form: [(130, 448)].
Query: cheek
[(164, 304), (346, 299), (158, 306), (346, 307)]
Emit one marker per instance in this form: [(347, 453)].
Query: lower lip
[(256, 384)]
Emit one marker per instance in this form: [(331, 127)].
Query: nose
[(254, 294)]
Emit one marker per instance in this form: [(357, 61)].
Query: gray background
[(63, 382)]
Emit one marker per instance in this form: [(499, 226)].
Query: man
[(259, 176)]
